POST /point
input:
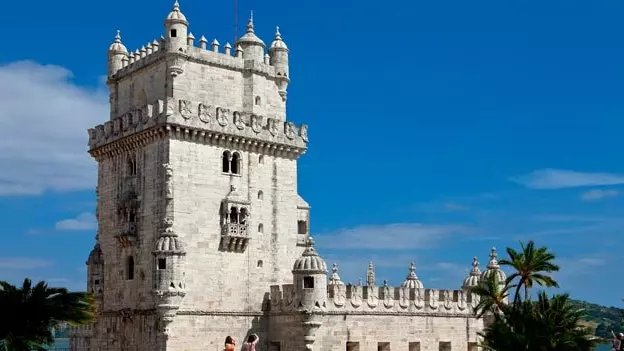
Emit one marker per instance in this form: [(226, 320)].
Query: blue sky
[(438, 130)]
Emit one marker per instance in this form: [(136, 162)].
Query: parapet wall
[(204, 121), (381, 300)]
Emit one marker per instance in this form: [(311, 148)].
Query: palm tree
[(530, 265), (30, 312), (492, 294), (548, 324)]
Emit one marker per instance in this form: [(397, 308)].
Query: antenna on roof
[(235, 21)]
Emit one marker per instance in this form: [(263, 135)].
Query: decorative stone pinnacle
[(118, 37), (250, 23), (475, 267), (334, 268), (412, 272), (385, 283), (335, 278), (176, 6), (493, 264), (278, 35)]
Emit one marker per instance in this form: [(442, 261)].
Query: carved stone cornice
[(143, 138), (189, 312)]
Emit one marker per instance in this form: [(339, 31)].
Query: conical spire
[(250, 37), (370, 275), (250, 24)]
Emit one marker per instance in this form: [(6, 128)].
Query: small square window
[(308, 282), (174, 33), (162, 263)]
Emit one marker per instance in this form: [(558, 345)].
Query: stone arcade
[(201, 231)]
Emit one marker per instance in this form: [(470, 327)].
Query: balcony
[(234, 237), (127, 234)]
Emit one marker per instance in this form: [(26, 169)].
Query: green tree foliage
[(30, 313), (545, 324)]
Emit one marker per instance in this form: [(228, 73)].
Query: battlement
[(202, 121), (228, 58), (381, 300)]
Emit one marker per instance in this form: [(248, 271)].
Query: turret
[(176, 30), (493, 270), (278, 53), (252, 46), (95, 271), (474, 277), (412, 281), (169, 276), (117, 52), (310, 280)]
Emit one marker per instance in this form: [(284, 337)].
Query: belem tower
[(201, 231)]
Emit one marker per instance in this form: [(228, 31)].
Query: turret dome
[(278, 43), (95, 256), (474, 277), (412, 280), (493, 269), (310, 262), (169, 244), (176, 16), (117, 47), (250, 37)]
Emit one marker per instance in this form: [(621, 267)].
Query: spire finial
[(475, 266), (493, 264), (176, 6), (250, 23), (118, 36), (412, 272), (335, 268)]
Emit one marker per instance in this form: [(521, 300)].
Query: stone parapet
[(203, 121), (382, 300)]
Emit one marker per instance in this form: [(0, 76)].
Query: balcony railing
[(234, 237)]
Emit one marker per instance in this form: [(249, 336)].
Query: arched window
[(130, 268), (234, 215), (226, 162), (260, 228), (258, 101), (131, 165), (261, 159), (235, 164), (243, 216), (260, 195)]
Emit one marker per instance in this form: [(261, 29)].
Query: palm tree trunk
[(526, 292)]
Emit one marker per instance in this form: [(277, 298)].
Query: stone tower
[(198, 208)]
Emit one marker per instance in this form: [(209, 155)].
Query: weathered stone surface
[(200, 221)]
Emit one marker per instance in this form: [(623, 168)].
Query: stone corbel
[(310, 325)]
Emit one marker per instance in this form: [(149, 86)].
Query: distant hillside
[(606, 318)]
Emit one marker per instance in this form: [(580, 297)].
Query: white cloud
[(84, 221), (395, 236), (22, 263), (557, 179), (43, 129), (599, 194)]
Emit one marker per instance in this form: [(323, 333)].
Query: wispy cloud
[(453, 206), (599, 194), (395, 236), (84, 221), (558, 178), (42, 144), (23, 263)]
